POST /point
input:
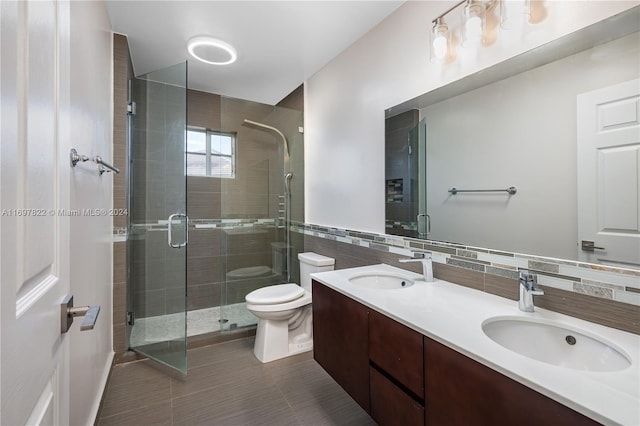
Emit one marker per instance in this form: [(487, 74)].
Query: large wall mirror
[(560, 124)]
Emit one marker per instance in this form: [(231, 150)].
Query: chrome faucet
[(528, 288), (427, 264)]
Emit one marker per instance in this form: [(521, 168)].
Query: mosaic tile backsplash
[(606, 282)]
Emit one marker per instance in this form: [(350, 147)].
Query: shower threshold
[(201, 321)]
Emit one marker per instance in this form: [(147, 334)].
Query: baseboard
[(103, 384)]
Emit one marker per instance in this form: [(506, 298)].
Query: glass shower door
[(158, 228), (259, 203), (423, 219), (417, 178)]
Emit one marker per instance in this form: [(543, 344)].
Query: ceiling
[(279, 43)]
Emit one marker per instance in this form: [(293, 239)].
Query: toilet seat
[(275, 294), (249, 272)]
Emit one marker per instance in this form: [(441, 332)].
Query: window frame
[(209, 155)]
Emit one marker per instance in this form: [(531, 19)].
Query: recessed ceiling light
[(211, 50)]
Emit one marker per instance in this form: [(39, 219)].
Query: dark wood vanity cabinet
[(340, 341), (377, 360), (461, 391), (401, 377), (396, 372)]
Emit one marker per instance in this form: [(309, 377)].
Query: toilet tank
[(311, 263)]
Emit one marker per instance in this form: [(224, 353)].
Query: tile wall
[(601, 294), (400, 211), (122, 73)]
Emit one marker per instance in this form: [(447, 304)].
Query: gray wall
[(520, 131)]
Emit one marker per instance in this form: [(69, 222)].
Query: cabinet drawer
[(397, 350), (392, 406)]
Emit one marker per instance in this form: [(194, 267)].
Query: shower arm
[(273, 129)]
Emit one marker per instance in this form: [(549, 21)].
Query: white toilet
[(284, 312)]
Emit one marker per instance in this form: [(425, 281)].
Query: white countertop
[(453, 315)]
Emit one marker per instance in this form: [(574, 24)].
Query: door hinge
[(131, 108), (131, 318)]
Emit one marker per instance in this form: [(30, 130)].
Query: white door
[(609, 175), (34, 185)]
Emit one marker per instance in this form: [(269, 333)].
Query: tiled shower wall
[(122, 73), (225, 235), (400, 214), (604, 295)]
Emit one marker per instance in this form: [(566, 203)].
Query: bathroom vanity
[(415, 353)]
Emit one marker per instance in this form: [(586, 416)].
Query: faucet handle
[(526, 275), (527, 278), (529, 281)]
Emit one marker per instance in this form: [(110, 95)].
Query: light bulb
[(473, 23), (439, 40), (473, 27), (440, 47)]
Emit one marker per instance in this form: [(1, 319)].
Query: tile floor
[(227, 385)]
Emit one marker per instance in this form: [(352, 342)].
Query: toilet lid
[(275, 294)]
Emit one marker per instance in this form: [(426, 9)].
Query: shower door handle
[(428, 224), (170, 228)]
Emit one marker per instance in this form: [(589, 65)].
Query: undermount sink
[(381, 280), (555, 344)]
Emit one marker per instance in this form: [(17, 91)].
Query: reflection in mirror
[(405, 171), (566, 134)]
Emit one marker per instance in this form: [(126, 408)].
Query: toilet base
[(298, 348), (274, 340)]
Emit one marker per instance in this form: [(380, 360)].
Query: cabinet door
[(390, 405), (461, 391), (340, 341), (397, 350)]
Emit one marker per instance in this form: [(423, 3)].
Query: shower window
[(211, 153)]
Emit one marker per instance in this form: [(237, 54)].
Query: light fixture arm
[(488, 5), (442, 15)]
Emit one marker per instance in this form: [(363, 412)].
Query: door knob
[(68, 312), (590, 246)]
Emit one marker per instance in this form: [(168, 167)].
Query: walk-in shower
[(212, 196)]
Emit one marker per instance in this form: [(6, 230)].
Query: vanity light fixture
[(473, 26), (212, 50), (477, 21), (439, 40)]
